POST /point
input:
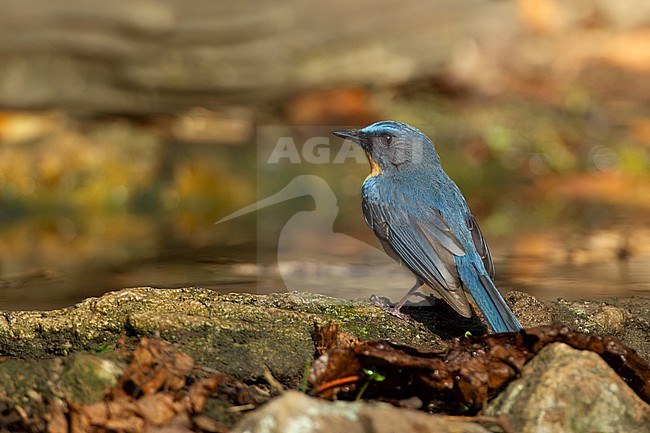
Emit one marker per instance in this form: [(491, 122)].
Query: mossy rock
[(238, 334), (243, 334)]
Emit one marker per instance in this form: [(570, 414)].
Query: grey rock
[(296, 412), (563, 390)]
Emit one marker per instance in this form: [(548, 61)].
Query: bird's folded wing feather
[(425, 243), (481, 245)]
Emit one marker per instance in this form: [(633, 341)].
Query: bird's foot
[(431, 300), (389, 307)]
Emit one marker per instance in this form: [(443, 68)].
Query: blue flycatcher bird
[(422, 221)]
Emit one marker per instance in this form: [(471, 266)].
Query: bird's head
[(392, 146)]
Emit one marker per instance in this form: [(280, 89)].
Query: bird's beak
[(349, 134)]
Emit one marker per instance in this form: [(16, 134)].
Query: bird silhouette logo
[(311, 256)]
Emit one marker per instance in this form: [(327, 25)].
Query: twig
[(337, 382), (500, 421), (242, 408), (275, 384)]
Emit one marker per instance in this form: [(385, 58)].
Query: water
[(248, 269)]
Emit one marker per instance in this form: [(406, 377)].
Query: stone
[(295, 412), (563, 390), (86, 377)]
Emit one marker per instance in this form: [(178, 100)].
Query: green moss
[(85, 377)]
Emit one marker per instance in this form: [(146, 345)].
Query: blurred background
[(127, 131)]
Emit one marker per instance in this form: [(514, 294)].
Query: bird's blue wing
[(423, 242)]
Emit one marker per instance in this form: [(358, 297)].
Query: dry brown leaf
[(131, 424), (328, 337), (56, 419), (158, 409), (466, 374), (153, 396), (210, 425), (156, 365)]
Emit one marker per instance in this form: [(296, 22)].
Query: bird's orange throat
[(375, 170)]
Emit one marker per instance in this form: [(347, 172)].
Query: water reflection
[(350, 275), (88, 208)]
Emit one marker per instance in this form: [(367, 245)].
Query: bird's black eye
[(386, 139)]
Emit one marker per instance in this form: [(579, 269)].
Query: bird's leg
[(402, 301)]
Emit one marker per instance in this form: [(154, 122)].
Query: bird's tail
[(492, 305)]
